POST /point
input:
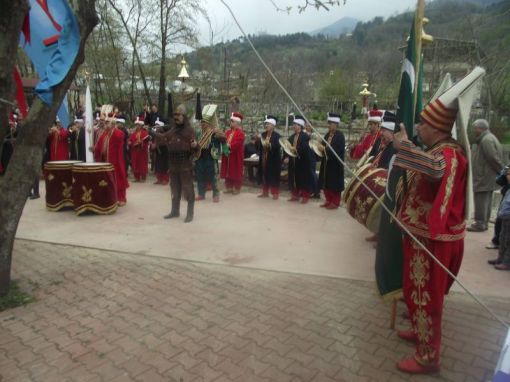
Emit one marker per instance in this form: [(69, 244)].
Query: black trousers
[(35, 187), (497, 226), (504, 242)]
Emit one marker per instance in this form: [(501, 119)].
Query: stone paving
[(112, 316)]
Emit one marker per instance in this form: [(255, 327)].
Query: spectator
[(503, 261), (501, 180), (487, 164)]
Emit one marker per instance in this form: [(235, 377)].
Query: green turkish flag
[(389, 253), (410, 94)]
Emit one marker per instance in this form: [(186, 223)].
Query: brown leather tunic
[(180, 154)]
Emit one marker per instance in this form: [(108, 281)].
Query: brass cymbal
[(287, 147)]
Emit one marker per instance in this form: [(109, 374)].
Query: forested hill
[(315, 64)]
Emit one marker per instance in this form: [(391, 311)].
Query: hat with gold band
[(441, 113)]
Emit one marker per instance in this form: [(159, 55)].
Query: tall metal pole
[(287, 119)]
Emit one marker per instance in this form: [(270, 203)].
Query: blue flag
[(51, 40), (63, 113)]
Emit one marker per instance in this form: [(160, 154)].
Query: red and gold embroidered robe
[(110, 148), (358, 150), (232, 166), (139, 149), (433, 210), (59, 145)]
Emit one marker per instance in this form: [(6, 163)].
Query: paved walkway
[(242, 230), (111, 316)]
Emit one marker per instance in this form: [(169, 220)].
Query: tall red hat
[(441, 113), (237, 117), (375, 116), (139, 121)]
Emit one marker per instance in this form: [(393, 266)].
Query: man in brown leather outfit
[(181, 143)]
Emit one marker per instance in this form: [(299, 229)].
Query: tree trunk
[(132, 91), (11, 19), (117, 69), (25, 163), (162, 82)]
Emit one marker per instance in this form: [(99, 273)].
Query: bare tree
[(112, 38), (140, 23), (133, 39), (25, 163), (175, 26), (317, 4)]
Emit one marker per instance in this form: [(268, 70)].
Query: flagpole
[(418, 28)]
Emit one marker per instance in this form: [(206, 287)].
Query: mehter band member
[(433, 209), (270, 159), (331, 175), (232, 160)]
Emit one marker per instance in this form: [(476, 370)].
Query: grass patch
[(14, 298)]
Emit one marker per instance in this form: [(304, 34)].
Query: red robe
[(59, 145), (139, 148), (433, 210), (110, 148), (232, 166), (358, 150)]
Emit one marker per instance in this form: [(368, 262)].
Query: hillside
[(331, 70)]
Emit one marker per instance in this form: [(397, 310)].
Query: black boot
[(189, 215), (175, 209)]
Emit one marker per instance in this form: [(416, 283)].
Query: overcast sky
[(261, 16)]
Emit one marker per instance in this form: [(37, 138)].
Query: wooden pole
[(393, 314), (418, 28)]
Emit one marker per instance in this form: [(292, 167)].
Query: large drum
[(94, 188), (59, 183), (360, 203)]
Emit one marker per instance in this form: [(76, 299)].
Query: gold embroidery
[(449, 186), (87, 194), (50, 177), (230, 137), (422, 300), (361, 211), (419, 270), (380, 181), (458, 227), (103, 183), (422, 321), (411, 214), (424, 233), (66, 190)]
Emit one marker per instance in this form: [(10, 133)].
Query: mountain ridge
[(339, 28)]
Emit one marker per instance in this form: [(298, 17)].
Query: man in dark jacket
[(331, 177), (300, 182), (270, 159), (152, 116), (77, 140), (386, 151)]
